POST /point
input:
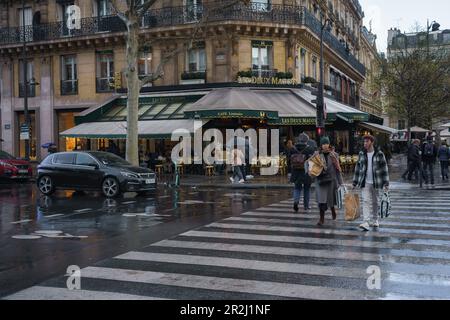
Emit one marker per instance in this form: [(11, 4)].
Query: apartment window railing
[(105, 84), (31, 92), (69, 87)]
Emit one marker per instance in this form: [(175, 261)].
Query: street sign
[(24, 132)]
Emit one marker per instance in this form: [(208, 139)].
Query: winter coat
[(299, 176), (379, 168), (327, 193), (413, 153), (426, 158), (444, 153)]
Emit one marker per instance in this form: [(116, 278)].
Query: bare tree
[(132, 12)]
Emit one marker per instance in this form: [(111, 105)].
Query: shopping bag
[(315, 166), (340, 196), (385, 205), (352, 206)]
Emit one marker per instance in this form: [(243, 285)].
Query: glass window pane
[(202, 60), (265, 57), (154, 111), (143, 109), (84, 160), (255, 58), (171, 109), (65, 158)]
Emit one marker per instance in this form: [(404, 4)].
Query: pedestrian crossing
[(273, 253)]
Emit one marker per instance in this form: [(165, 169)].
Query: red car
[(12, 168)]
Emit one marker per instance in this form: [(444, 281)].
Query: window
[(28, 22), (196, 60), (84, 160), (303, 63), (64, 16), (193, 10), (104, 8), (105, 71), (261, 5), (30, 79), (314, 68), (69, 83), (261, 57), (65, 158)]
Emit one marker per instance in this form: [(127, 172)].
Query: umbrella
[(48, 145)]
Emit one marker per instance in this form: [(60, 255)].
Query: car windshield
[(5, 156), (110, 159)]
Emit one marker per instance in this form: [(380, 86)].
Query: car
[(93, 171), (13, 168)]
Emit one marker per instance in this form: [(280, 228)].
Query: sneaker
[(241, 181), (232, 180), (365, 226), (375, 224), (296, 207)]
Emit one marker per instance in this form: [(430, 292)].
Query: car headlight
[(129, 175)]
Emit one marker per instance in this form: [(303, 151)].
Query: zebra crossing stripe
[(260, 227), (226, 284), (51, 293), (397, 248)]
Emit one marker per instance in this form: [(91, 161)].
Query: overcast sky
[(403, 14)]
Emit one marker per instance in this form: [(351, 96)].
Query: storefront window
[(33, 140), (66, 120)]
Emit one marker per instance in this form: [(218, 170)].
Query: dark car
[(13, 168), (91, 170)]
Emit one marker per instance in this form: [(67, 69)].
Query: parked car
[(92, 170), (13, 168)]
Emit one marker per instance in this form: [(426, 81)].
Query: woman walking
[(444, 157), (329, 181)]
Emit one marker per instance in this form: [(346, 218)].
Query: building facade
[(73, 71)]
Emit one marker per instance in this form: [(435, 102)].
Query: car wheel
[(110, 187), (45, 185)]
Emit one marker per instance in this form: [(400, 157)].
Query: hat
[(324, 140), (303, 138)]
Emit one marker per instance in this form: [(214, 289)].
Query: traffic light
[(320, 132)]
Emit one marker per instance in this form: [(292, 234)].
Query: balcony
[(69, 87), (31, 92), (104, 85), (174, 16)]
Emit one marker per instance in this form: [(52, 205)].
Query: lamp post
[(25, 85), (320, 104)]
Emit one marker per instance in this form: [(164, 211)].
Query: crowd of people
[(371, 176), (422, 158)]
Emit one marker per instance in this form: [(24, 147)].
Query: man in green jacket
[(371, 176)]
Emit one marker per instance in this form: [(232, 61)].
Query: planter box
[(192, 81)]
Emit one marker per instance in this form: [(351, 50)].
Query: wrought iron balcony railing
[(184, 15), (69, 87), (105, 85), (31, 90)]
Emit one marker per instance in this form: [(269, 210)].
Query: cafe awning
[(378, 127), (416, 130), (156, 129)]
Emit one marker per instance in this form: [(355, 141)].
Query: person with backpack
[(444, 158), (299, 177), (328, 182), (429, 155)]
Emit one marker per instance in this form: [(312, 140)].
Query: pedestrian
[(237, 160), (299, 154), (429, 156), (329, 181), (414, 154), (371, 176), (444, 158), (290, 149)]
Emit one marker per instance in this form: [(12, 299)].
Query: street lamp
[(25, 84), (320, 104)]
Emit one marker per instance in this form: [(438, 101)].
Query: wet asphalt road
[(108, 227), (222, 244)]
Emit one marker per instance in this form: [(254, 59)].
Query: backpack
[(298, 161), (429, 150)]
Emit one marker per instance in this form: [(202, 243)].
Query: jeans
[(237, 172), (306, 194), (414, 168), (370, 197), (444, 169), (428, 168)]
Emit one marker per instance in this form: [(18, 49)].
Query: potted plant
[(193, 77), (309, 81)]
